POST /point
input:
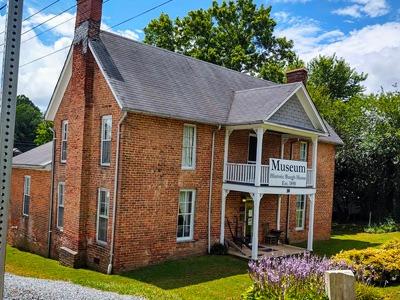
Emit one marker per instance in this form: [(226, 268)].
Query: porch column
[(226, 148), (311, 223), (314, 160), (278, 213), (256, 213), (260, 134), (223, 205)]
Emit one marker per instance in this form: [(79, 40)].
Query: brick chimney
[(88, 17), (297, 75)]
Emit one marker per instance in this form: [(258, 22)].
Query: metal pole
[(7, 119)]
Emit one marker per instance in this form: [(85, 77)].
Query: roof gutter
[(49, 231), (114, 216)]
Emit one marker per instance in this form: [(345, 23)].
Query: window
[(300, 211), (303, 151), (102, 215), (64, 139), (186, 215), (252, 155), (106, 126), (189, 147), (27, 195), (60, 205)]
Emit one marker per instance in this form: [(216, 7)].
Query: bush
[(218, 249), (366, 292), (388, 226), (374, 265)]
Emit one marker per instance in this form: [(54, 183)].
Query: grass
[(205, 277)]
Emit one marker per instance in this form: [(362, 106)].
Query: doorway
[(248, 218)]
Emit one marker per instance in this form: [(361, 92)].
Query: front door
[(248, 220)]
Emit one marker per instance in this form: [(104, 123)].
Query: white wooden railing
[(246, 173)]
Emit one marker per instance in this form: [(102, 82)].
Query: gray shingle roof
[(156, 81), (39, 157), (333, 137)]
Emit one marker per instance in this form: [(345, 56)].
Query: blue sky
[(365, 32)]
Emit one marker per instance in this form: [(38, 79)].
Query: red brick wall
[(30, 232)]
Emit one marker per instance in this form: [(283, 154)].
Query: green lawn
[(206, 277)]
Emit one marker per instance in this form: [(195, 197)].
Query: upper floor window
[(27, 195), (252, 154), (60, 205), (300, 211), (64, 140), (102, 215), (303, 151), (186, 215), (106, 126), (189, 147)]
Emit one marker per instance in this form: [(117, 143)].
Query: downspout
[(114, 216), (211, 187), (49, 231)]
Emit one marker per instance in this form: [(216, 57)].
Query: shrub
[(366, 292), (218, 249), (374, 265), (295, 277), (388, 226)]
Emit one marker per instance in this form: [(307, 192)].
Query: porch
[(264, 250)]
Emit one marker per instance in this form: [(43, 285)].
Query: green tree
[(28, 117), (336, 76), (44, 133), (235, 34)]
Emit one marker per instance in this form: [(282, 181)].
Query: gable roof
[(37, 158)]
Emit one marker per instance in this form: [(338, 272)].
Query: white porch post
[(226, 148), (278, 213), (260, 135), (310, 239), (256, 213), (314, 160), (223, 205)]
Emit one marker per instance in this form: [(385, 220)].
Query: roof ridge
[(186, 56), (267, 87)]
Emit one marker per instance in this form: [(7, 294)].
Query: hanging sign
[(287, 173)]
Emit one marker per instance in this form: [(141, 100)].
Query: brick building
[(155, 153)]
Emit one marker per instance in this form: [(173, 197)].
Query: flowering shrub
[(294, 277), (374, 265)]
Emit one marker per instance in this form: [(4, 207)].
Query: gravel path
[(18, 287)]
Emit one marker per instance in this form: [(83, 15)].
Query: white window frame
[(193, 148), (105, 139), (27, 193), (105, 216), (305, 152), (248, 148), (60, 205), (302, 211), (192, 214), (64, 141)]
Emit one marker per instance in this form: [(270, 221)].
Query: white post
[(278, 213), (223, 205), (260, 135), (226, 148), (283, 141), (256, 213), (314, 160), (310, 239)]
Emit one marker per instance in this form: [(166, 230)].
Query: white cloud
[(374, 49), (359, 8)]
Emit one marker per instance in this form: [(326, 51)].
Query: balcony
[(246, 174)]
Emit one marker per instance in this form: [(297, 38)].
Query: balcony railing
[(246, 174)]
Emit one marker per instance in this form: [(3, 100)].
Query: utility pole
[(7, 119)]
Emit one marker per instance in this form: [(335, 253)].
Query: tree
[(336, 76), (44, 133), (235, 34), (27, 118)]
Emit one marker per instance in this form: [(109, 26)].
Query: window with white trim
[(303, 151), (186, 215), (64, 140), (60, 205), (189, 147), (27, 195), (300, 211), (103, 205), (106, 127)]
